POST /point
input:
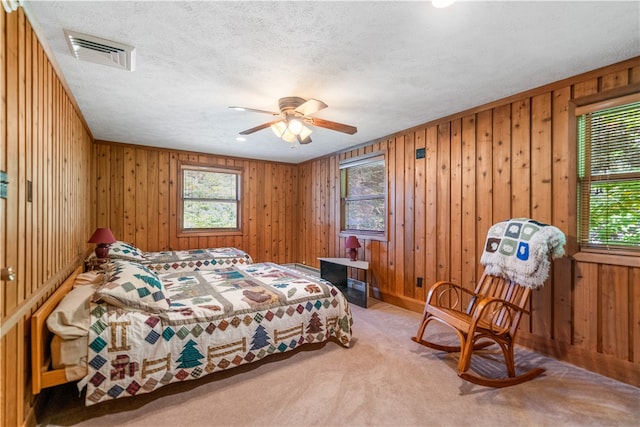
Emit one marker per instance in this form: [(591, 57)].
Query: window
[(209, 199), (363, 192), (609, 174)]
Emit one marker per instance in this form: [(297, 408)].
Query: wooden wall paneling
[(443, 201), (564, 210), (141, 194), (409, 219), (116, 196), (484, 180), (174, 243), (615, 79), (163, 200), (419, 217), (39, 164), (3, 167), (21, 182), (277, 203), (468, 232), (288, 217), (634, 317), (152, 192), (55, 156), (12, 210), (456, 217), (389, 285), (501, 165), (48, 173), (431, 224), (250, 243), (520, 159), (399, 225), (541, 197), (103, 183), (129, 199), (42, 235), (634, 75), (585, 307), (30, 156), (333, 213), (585, 88), (267, 215), (615, 310), (317, 171)]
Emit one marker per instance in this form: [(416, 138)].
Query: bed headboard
[(41, 374)]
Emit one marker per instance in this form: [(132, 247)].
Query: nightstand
[(334, 270)]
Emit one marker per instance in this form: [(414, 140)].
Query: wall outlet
[(419, 282)]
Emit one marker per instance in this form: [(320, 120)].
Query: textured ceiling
[(380, 66)]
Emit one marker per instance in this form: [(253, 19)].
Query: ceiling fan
[(295, 113)]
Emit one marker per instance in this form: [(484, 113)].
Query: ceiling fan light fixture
[(284, 130), (295, 126)]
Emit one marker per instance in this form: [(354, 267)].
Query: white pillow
[(71, 318)]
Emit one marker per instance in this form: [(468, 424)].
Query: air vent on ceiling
[(101, 51)]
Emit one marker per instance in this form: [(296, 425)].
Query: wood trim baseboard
[(603, 364)]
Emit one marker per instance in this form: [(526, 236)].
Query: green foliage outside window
[(609, 177), (210, 199)]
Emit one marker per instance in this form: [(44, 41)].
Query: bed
[(185, 260), (146, 330)]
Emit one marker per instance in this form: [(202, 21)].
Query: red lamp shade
[(352, 244), (103, 237)]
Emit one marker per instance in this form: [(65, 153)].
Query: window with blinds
[(609, 174)]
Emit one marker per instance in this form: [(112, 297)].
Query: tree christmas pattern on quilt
[(133, 352)]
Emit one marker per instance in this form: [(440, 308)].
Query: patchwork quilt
[(195, 259), (174, 261), (203, 322)]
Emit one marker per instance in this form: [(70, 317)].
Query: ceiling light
[(442, 3), (241, 139), (285, 130), (295, 126)]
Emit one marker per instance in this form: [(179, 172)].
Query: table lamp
[(352, 245), (103, 237)]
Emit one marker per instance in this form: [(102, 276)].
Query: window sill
[(209, 233), (623, 259), (364, 236)]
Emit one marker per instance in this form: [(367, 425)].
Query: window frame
[(193, 232), (602, 254), (358, 161)]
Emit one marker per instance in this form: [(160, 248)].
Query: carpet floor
[(384, 379)]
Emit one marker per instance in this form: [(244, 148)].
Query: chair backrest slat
[(504, 289)]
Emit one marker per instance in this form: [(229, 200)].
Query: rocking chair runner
[(488, 315)]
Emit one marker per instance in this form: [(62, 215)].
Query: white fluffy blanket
[(521, 249)]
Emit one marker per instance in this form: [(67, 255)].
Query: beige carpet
[(383, 379)]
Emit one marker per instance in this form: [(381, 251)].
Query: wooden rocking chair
[(488, 315)]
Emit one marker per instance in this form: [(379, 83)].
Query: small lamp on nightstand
[(352, 245), (103, 237)]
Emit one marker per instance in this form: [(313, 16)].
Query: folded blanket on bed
[(521, 249)]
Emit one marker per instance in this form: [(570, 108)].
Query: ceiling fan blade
[(260, 127), (310, 106), (307, 140), (255, 110), (331, 125)]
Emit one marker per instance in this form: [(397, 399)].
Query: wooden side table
[(334, 270)]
